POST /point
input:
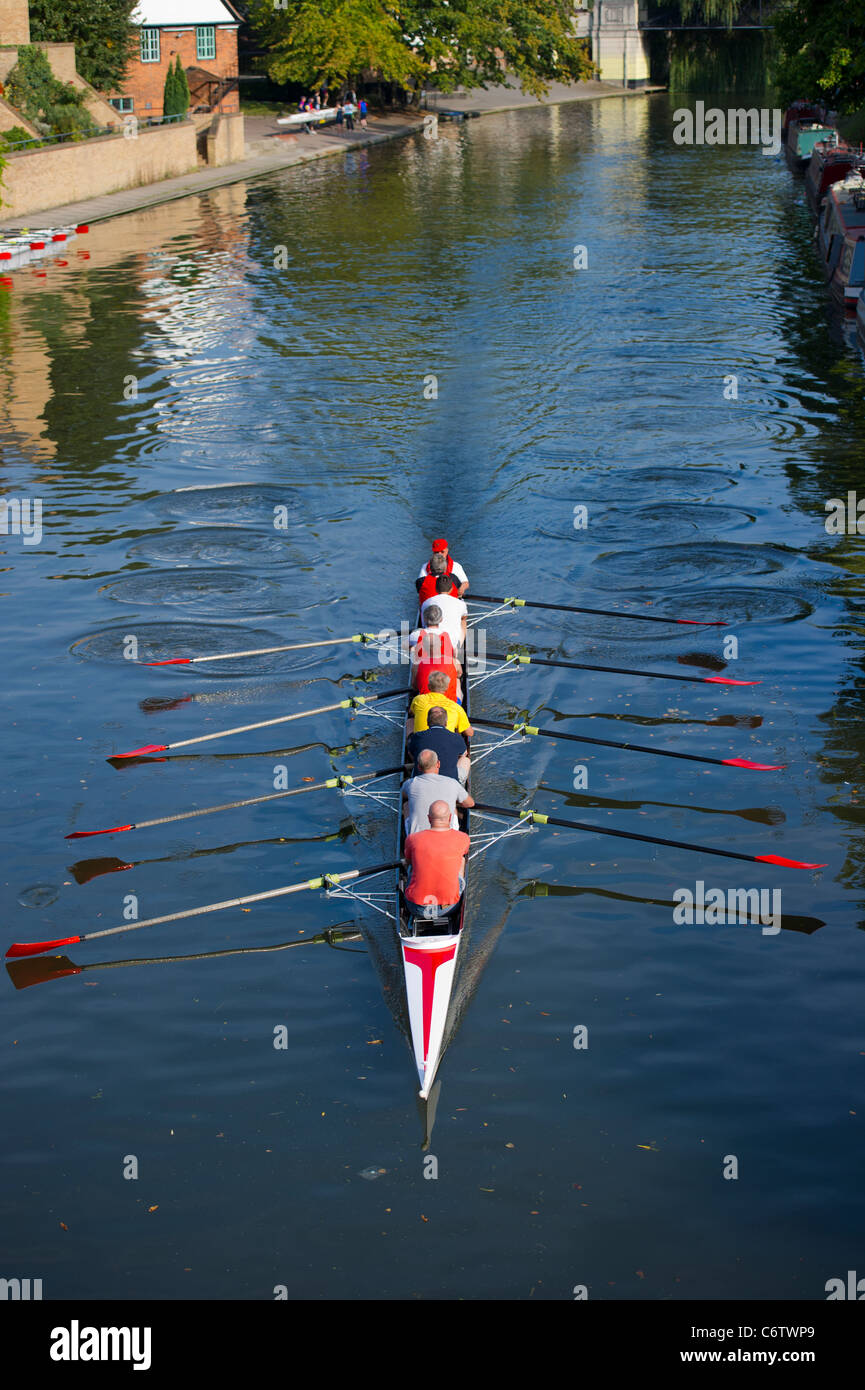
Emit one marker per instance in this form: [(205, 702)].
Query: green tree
[(450, 43), (821, 52), (183, 94), (100, 29), (54, 107), (171, 96)]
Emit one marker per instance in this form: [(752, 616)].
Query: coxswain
[(428, 785), (437, 860), (453, 610), (457, 719), (440, 547), (449, 748)]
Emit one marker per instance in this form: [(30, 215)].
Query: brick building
[(204, 33)]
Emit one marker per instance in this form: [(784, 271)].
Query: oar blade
[(85, 834), (140, 752), (35, 948), (786, 863), (754, 767)]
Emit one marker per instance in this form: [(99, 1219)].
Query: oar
[(35, 948), (616, 670), (535, 818), (364, 637), (340, 782), (351, 703), (601, 612), (24, 973), (530, 729)]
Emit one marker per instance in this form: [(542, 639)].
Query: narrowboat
[(833, 159), (840, 234)]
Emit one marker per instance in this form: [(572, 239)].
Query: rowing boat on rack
[(429, 954)]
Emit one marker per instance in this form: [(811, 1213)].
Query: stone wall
[(70, 173), (9, 118), (226, 140), (14, 21)]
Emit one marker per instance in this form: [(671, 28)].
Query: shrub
[(54, 107)]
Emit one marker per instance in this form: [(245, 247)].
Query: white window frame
[(202, 32), (151, 48), (122, 104)]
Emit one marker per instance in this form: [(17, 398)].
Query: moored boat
[(840, 234), (802, 137), (860, 318), (800, 111), (832, 160)]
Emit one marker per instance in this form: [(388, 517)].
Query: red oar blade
[(85, 834), (786, 863), (727, 680), (35, 948), (755, 767), (140, 752), (171, 661), (703, 622)]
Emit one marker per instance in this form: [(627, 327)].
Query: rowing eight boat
[(429, 953)]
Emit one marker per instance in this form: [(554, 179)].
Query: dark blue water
[(272, 346)]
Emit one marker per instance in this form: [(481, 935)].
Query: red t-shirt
[(436, 859), (434, 652), (428, 589)]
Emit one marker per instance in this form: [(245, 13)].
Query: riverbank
[(269, 149)]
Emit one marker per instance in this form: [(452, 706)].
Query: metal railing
[(76, 137)]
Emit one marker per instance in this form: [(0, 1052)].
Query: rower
[(427, 586), (420, 791), (440, 547), (433, 651), (449, 748), (453, 611), (437, 860), (457, 719)]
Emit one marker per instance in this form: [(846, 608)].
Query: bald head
[(427, 761), (439, 815)]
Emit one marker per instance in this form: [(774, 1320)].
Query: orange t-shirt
[(436, 859)]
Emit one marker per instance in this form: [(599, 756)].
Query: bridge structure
[(618, 32)]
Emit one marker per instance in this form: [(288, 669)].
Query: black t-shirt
[(448, 747)]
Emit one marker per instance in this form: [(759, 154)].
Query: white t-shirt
[(453, 611), (458, 573)]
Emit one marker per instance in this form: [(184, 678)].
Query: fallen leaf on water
[(63, 1226), (307, 779), (640, 1274), (509, 1146), (373, 1042), (424, 1218), (156, 1208)]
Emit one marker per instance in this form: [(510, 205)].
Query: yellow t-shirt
[(422, 704)]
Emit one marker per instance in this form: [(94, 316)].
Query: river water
[(386, 348)]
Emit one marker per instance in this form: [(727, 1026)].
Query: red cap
[(440, 544)]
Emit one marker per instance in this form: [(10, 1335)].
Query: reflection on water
[(247, 413)]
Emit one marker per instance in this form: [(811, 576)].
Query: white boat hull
[(429, 963)]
